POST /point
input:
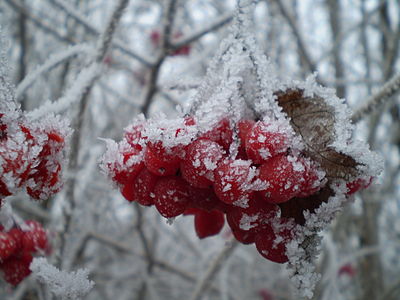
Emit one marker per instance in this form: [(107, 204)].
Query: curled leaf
[(314, 121)]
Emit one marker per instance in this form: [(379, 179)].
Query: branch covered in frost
[(51, 63), (72, 285), (103, 46), (202, 284), (78, 17), (390, 89)]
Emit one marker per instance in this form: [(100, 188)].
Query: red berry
[(272, 247), (232, 181), (16, 269), (265, 140), (171, 196), (348, 270), (253, 218), (133, 134), (132, 164), (357, 185), (35, 238), (203, 198), (283, 175), (159, 161), (243, 236), (143, 188), (221, 134), (201, 160), (7, 245), (208, 223), (313, 179)]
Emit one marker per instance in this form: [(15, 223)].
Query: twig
[(220, 22), (39, 22), (202, 284), (91, 29), (390, 89), (50, 64), (165, 48), (104, 44), (300, 42)]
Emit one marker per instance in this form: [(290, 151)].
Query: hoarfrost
[(68, 286)]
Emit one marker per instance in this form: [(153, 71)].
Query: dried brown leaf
[(314, 121)]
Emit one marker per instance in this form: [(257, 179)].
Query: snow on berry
[(202, 157), (266, 139), (171, 196), (232, 181), (7, 245)]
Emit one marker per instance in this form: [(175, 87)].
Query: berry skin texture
[(35, 239), (201, 160), (358, 184), (266, 246), (208, 223), (143, 188), (231, 178), (265, 141), (204, 199), (7, 246), (221, 134), (159, 162), (16, 269), (253, 218), (284, 176), (171, 196)]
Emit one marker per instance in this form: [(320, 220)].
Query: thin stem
[(390, 89), (214, 267)]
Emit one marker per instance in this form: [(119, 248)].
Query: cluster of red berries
[(155, 38), (31, 156), (242, 170), (181, 168), (17, 247)]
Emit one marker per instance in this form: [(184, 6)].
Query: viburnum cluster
[(31, 153), (18, 245), (239, 170)]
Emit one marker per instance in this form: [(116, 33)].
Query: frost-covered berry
[(143, 188), (358, 184), (171, 196), (265, 140), (201, 160), (208, 223), (258, 214), (161, 161), (283, 175), (313, 179), (16, 269), (35, 238), (7, 245), (271, 246), (221, 133), (232, 181)]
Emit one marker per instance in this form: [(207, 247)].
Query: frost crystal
[(66, 286)]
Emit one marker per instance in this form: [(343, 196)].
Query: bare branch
[(390, 89), (202, 283), (92, 30)]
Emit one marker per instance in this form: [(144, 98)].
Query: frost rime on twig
[(66, 286)]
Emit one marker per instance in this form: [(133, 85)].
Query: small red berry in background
[(18, 247), (347, 270)]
